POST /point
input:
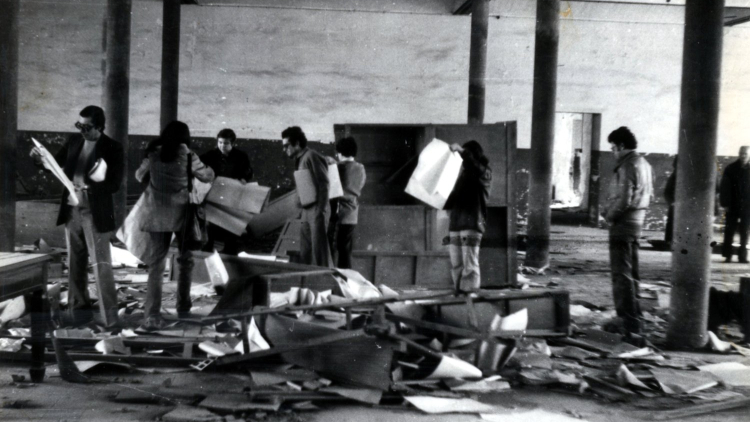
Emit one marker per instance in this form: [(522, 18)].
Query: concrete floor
[(579, 264)]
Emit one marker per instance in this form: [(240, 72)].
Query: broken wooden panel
[(548, 310), (288, 243), (363, 360), (243, 294), (404, 269), (275, 214)]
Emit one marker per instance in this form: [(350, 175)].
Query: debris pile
[(302, 349)]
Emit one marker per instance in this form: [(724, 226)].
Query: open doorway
[(571, 166)]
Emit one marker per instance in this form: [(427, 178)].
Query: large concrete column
[(8, 121), (542, 131), (480, 12), (170, 62), (696, 186), (117, 85)]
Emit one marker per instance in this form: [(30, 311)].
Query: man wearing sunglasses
[(313, 239), (94, 163)]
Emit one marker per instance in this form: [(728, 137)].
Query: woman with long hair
[(166, 203), (468, 215)]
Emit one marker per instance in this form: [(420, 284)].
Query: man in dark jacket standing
[(89, 224), (734, 195), (630, 196), (313, 240), (226, 161)]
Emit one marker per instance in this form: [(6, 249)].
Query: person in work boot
[(467, 205), (226, 161), (630, 195), (734, 196), (94, 163), (314, 248)]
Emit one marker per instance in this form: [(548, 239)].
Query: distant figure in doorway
[(467, 205), (669, 196), (630, 195), (226, 161), (734, 196), (94, 163), (165, 202), (353, 177), (314, 248)]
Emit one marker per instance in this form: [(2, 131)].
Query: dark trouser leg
[(634, 247), (333, 229), (212, 234), (185, 261), (624, 286), (744, 226), (729, 229), (79, 302), (314, 238), (344, 244), (160, 242), (38, 323), (305, 243)]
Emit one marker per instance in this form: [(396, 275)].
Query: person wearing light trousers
[(467, 205)]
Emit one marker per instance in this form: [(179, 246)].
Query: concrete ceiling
[(737, 11)]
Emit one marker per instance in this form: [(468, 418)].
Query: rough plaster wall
[(259, 70)]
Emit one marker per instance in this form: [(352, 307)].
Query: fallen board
[(364, 360)]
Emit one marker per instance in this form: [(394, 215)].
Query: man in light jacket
[(631, 193), (313, 240)]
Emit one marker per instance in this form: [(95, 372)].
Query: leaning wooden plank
[(135, 360), (237, 403), (249, 197), (362, 360), (701, 409), (284, 347), (332, 305), (275, 214)]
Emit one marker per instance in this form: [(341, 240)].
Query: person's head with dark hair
[(293, 140), (476, 150), (91, 122), (225, 140), (173, 135), (346, 147), (621, 139)]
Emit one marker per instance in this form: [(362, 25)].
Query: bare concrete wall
[(259, 70)]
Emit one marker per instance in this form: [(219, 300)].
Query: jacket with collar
[(100, 194), (166, 199), (734, 191), (631, 189)]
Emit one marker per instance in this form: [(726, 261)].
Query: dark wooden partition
[(398, 236)]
